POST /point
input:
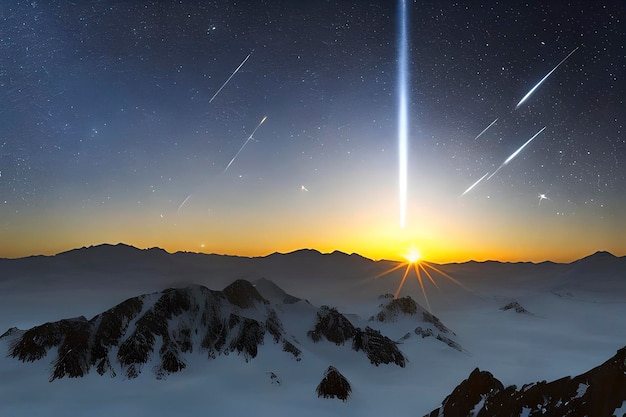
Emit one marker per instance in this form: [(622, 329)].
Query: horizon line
[(335, 251)]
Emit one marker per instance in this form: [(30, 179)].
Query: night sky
[(108, 132)]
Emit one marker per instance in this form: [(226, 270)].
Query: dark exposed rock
[(514, 305), (249, 335), (424, 332), (72, 357), (291, 348), (164, 325), (333, 325), (468, 393), (406, 306), (11, 332), (243, 294), (430, 318), (274, 379), (136, 349), (378, 348), (109, 328), (450, 342), (34, 343), (597, 393), (334, 385), (395, 307), (336, 328), (273, 326)]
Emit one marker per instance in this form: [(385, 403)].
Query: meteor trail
[(485, 129), (231, 76), (183, 203), (474, 185), (514, 154), (532, 90), (402, 113), (245, 143)]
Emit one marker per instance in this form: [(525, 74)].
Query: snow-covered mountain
[(600, 392), (267, 335), (159, 330)]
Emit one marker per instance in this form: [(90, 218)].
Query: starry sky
[(111, 129)]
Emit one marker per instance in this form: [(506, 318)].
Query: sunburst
[(413, 260)]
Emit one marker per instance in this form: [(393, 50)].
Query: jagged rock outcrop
[(395, 308), (434, 320), (243, 294), (161, 328), (335, 327), (378, 348), (332, 325), (598, 392), (405, 307), (274, 379), (515, 306), (334, 385)]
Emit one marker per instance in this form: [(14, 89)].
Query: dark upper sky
[(107, 133)]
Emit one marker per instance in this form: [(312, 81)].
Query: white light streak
[(474, 185), (485, 129), (245, 143), (183, 203), (403, 130), (532, 90), (231, 76), (514, 154)]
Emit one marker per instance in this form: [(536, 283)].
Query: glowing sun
[(412, 255), (413, 259)]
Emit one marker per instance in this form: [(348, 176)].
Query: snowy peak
[(598, 392), (243, 294), (159, 328), (333, 326), (273, 293), (405, 308)]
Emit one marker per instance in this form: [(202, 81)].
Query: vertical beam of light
[(403, 130)]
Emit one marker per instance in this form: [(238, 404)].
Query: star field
[(108, 132)]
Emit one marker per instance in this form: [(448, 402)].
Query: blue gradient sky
[(106, 128)]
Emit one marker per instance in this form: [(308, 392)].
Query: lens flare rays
[(420, 266)]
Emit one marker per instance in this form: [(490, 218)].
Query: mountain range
[(141, 315)]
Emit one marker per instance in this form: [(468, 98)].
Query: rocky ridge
[(157, 328), (598, 392)]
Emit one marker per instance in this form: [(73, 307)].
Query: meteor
[(403, 113), (231, 76), (474, 185), (183, 203), (532, 90), (485, 129), (514, 154), (245, 143)]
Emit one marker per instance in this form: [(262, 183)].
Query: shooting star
[(245, 143), (532, 90), (474, 185), (514, 154), (231, 76), (485, 129), (183, 203)]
